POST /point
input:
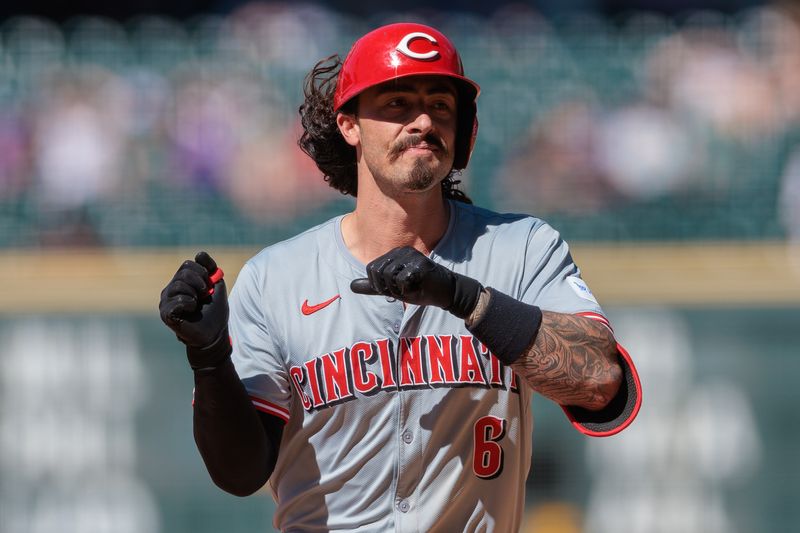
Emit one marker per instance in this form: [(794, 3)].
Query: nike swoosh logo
[(309, 309)]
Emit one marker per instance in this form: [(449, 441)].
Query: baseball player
[(378, 369)]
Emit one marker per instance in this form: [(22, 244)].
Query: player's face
[(407, 132)]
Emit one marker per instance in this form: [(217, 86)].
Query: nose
[(421, 124)]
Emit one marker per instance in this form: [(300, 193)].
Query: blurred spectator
[(554, 169), (14, 153), (644, 151), (209, 120), (271, 180), (620, 156), (229, 137), (79, 138), (281, 35), (701, 75), (789, 202), (772, 38)]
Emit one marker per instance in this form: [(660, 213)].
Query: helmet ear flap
[(466, 132)]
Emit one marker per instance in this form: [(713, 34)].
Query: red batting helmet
[(409, 49)]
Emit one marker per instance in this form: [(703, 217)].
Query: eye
[(396, 102), (443, 106)]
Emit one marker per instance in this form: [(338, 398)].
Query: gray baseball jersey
[(397, 419)]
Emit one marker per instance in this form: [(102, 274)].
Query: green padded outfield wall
[(95, 431)]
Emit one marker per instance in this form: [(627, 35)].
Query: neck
[(380, 223)]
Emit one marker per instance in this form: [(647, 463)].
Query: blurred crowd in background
[(155, 131)]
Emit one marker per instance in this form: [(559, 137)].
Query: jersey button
[(396, 327), (408, 437), (404, 506)]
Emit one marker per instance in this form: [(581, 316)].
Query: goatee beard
[(421, 176)]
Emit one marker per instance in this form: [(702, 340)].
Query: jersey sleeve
[(553, 282), (256, 354), (551, 279)]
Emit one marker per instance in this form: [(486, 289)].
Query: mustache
[(413, 140)]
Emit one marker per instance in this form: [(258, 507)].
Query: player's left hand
[(408, 275)]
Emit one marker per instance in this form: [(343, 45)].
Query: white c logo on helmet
[(404, 49)]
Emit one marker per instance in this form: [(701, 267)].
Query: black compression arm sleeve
[(508, 327), (238, 446)]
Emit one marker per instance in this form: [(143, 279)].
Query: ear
[(348, 126)]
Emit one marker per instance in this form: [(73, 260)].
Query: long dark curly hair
[(323, 142)]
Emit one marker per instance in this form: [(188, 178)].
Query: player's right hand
[(194, 304), (408, 275)]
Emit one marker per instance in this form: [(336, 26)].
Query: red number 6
[(487, 461)]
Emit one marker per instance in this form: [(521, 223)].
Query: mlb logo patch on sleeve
[(581, 289)]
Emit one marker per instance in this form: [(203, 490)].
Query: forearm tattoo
[(573, 361), (480, 308)]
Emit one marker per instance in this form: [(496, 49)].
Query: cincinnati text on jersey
[(366, 368)]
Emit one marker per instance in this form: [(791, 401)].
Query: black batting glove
[(194, 305), (408, 275)]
